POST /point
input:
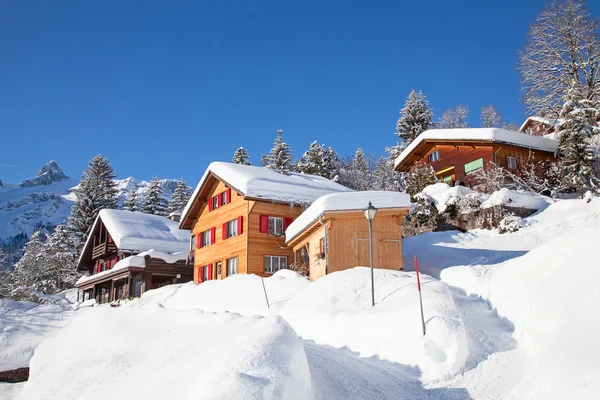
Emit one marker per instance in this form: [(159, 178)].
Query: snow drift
[(156, 353)]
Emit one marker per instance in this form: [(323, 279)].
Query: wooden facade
[(454, 156), (250, 245), (105, 284), (340, 240)]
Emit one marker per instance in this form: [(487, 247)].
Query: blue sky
[(164, 88)]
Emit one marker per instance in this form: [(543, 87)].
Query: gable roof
[(138, 232), (354, 201), (491, 135), (258, 183), (551, 123)]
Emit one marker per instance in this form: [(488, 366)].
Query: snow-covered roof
[(138, 261), (345, 202), (138, 232), (267, 184), (494, 135), (546, 121)]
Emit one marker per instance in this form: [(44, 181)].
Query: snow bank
[(517, 198), (23, 326), (241, 293), (156, 353), (346, 202), (336, 310), (443, 195)]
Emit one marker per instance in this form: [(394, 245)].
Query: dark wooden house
[(128, 253), (457, 154)]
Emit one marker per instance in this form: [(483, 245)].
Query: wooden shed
[(333, 233)]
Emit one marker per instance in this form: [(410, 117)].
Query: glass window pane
[(283, 263)]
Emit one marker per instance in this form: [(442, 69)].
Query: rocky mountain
[(45, 201)]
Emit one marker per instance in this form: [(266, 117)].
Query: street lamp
[(370, 212)]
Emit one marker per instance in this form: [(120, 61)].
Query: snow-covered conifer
[(280, 157), (490, 117), (57, 262), (415, 118), (332, 163), (454, 118), (385, 177), (355, 173), (313, 160), (27, 271), (97, 190), (180, 197), (131, 199), (575, 129), (420, 176), (154, 201), (241, 156)]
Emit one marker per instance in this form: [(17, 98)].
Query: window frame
[(432, 158), (193, 242), (275, 221), (279, 268), (205, 273), (206, 236), (232, 226), (227, 266), (215, 202), (508, 162), (223, 196), (480, 159)]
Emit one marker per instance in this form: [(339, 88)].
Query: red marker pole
[(420, 297)]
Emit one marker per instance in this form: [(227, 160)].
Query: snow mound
[(443, 195), (241, 293), (156, 353), (336, 310), (346, 202), (23, 326), (517, 198)]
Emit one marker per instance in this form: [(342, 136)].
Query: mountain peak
[(47, 175)]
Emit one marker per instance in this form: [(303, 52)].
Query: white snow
[(442, 195), (493, 135), (153, 353), (345, 202), (267, 184), (138, 232)]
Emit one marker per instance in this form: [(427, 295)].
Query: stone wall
[(15, 375)]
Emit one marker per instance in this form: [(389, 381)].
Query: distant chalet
[(128, 253), (457, 154)]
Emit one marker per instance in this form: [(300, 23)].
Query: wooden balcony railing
[(103, 249)]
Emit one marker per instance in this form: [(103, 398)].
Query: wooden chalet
[(238, 215), (128, 253), (457, 154), (538, 126), (333, 233)]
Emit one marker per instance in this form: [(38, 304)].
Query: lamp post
[(370, 212)]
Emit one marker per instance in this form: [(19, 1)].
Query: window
[(232, 228), (473, 166), (205, 238), (232, 266), (447, 179), (275, 263), (511, 162), (275, 226), (223, 198), (205, 273), (434, 156), (215, 202), (193, 243)]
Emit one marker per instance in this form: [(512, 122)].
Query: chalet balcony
[(103, 249)]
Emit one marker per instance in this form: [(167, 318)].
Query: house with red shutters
[(128, 253), (238, 214)]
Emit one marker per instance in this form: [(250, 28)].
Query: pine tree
[(332, 163), (385, 177), (241, 156), (313, 160), (154, 201), (3, 258), (180, 197), (455, 118), (131, 199), (280, 157), (355, 173), (420, 176), (27, 271), (415, 118), (97, 190), (360, 162), (576, 126), (58, 262), (490, 117), (5, 286)]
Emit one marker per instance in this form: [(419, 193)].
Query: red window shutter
[(287, 222), (213, 233), (210, 204), (210, 266), (199, 240), (98, 267), (199, 274), (228, 195), (224, 231), (264, 224), (219, 201), (240, 225)]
